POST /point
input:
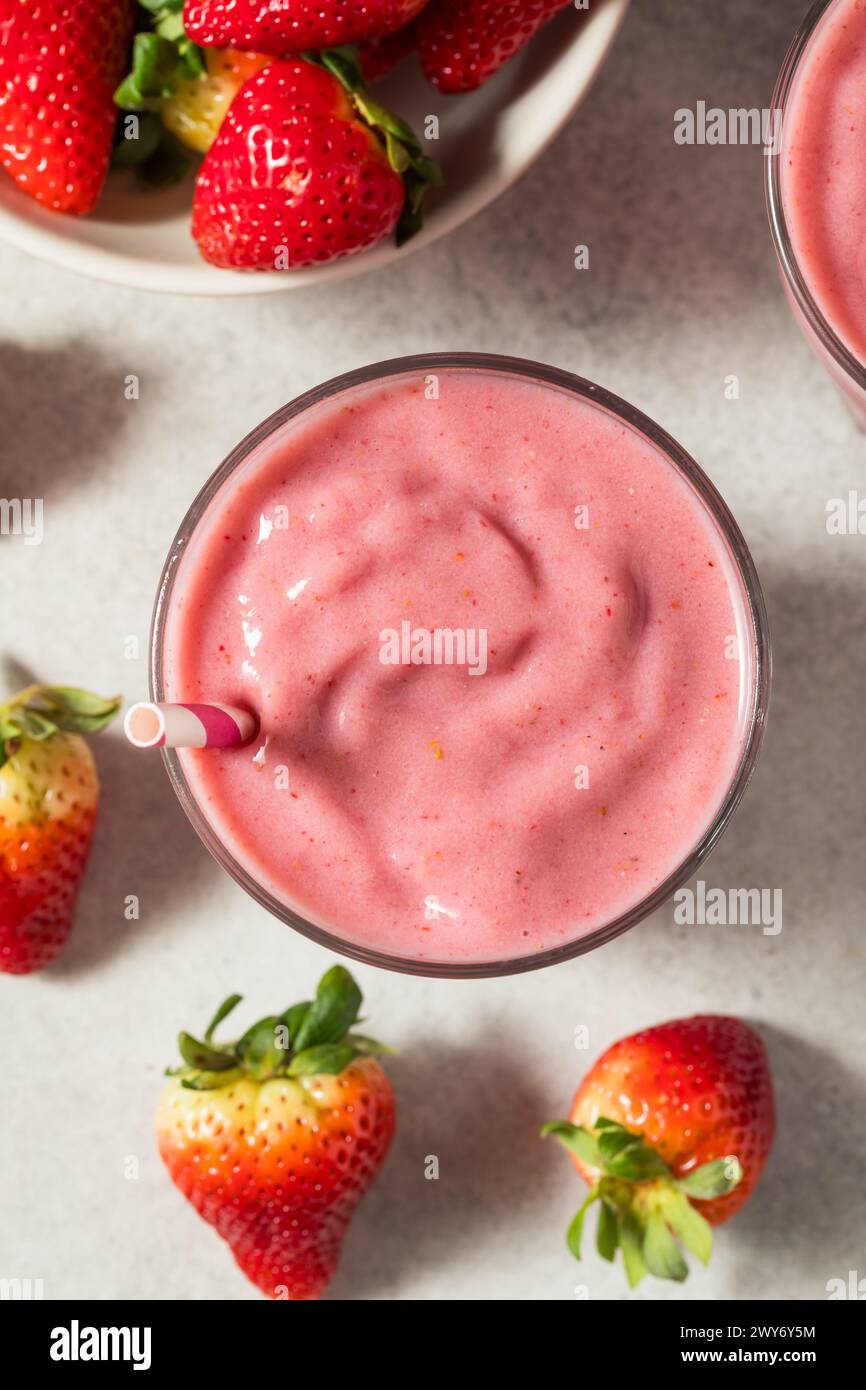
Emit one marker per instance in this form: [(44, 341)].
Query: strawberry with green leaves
[(59, 66), (307, 167), (671, 1129), (275, 1138), (49, 793)]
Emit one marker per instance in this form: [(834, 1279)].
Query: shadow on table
[(799, 826), (144, 846), (62, 405), (486, 1143), (811, 1198)]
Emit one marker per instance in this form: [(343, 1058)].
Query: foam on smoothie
[(823, 170), (428, 810)]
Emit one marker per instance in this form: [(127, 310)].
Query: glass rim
[(785, 254), (761, 662)]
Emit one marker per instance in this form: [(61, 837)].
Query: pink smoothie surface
[(420, 809), (823, 170)]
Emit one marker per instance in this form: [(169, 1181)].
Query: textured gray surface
[(681, 293)]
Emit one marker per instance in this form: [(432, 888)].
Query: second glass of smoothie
[(508, 654), (816, 189)]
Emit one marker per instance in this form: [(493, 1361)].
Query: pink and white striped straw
[(188, 726)]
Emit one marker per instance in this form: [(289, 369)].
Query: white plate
[(141, 239)]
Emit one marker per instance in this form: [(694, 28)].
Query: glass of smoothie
[(816, 189), (506, 648)]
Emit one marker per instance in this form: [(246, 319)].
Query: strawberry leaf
[(637, 1162), (612, 1141), (715, 1179), (129, 153), (607, 1235), (332, 1012), (293, 1018), (574, 1236), (577, 1140), (661, 1252), (43, 710), (330, 1059), (209, 1080), (201, 1056), (631, 1242), (222, 1012), (343, 63), (155, 63), (689, 1226), (307, 1038), (259, 1051), (161, 56)]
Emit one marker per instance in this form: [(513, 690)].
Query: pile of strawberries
[(301, 165)]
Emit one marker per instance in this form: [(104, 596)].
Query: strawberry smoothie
[(503, 659), (821, 174)]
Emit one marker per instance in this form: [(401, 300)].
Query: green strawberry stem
[(644, 1209), (162, 56), (307, 1038), (402, 146), (43, 710)]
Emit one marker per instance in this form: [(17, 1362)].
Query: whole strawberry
[(294, 25), (49, 794), (671, 1128), (307, 167), (277, 1137), (462, 43), (59, 66)]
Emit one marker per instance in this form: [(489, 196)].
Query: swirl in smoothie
[(426, 808)]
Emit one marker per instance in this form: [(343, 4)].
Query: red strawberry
[(48, 799), (378, 56), (462, 43), (59, 66), (671, 1128), (276, 1138), (306, 168), (294, 25)]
